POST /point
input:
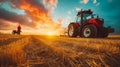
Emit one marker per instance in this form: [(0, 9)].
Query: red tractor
[(88, 25)]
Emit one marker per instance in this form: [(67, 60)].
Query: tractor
[(16, 32), (88, 25)]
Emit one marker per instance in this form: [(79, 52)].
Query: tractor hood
[(96, 21), (100, 20)]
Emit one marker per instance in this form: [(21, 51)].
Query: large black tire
[(18, 32), (72, 30), (13, 32), (89, 31)]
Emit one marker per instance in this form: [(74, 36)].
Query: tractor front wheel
[(72, 30), (89, 31)]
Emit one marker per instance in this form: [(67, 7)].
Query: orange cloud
[(51, 4), (60, 20), (39, 12), (85, 1), (41, 16)]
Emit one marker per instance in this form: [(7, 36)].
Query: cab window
[(78, 19)]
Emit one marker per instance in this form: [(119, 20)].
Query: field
[(56, 51)]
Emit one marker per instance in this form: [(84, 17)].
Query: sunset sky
[(53, 16)]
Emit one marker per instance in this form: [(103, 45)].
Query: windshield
[(86, 16)]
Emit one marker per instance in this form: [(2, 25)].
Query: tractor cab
[(83, 14), (82, 20), (85, 17)]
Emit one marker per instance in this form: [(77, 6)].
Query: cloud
[(9, 25), (4, 14), (15, 18), (84, 1), (5, 25), (69, 12), (77, 9), (97, 4), (50, 4), (37, 11), (2, 0), (94, 1), (60, 21)]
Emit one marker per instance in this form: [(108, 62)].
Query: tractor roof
[(85, 12)]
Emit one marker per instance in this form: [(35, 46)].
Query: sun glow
[(51, 33)]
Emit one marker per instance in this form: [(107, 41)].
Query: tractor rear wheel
[(72, 30), (89, 31)]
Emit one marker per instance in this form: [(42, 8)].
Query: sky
[(53, 16)]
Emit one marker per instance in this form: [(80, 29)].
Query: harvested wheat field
[(55, 51)]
